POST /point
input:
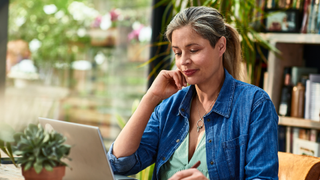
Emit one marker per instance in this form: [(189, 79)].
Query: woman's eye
[(177, 54), (193, 50)]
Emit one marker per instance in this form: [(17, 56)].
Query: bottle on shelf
[(286, 94), (297, 102)]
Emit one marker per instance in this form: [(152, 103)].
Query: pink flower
[(114, 14), (135, 34), (97, 21)]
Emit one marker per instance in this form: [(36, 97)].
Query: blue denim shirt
[(241, 131)]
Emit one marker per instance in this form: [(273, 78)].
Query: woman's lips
[(189, 72)]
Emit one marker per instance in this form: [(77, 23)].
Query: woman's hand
[(167, 83), (189, 174)]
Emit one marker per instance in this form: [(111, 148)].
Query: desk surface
[(10, 172)]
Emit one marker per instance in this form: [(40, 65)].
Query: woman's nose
[(185, 59)]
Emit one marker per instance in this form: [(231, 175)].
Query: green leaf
[(46, 138), (24, 140), (23, 161), (44, 152), (53, 164), (162, 2), (146, 174), (151, 168), (33, 129), (261, 54), (10, 154), (17, 152), (209, 2), (184, 4), (157, 67), (48, 167), (36, 151), (17, 136), (154, 58), (121, 122), (135, 105), (4, 150), (1, 143), (6, 132), (40, 160), (31, 158), (53, 157), (263, 42), (166, 14), (28, 166), (160, 43), (37, 167)]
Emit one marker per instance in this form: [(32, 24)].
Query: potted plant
[(41, 153)]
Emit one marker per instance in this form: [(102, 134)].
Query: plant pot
[(56, 174)]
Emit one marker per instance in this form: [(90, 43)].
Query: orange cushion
[(298, 167)]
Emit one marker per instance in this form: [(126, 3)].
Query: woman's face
[(195, 57)]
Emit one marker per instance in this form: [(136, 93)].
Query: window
[(76, 61)]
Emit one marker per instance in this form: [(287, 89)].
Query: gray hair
[(209, 24)]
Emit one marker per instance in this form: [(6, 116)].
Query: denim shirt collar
[(223, 103)]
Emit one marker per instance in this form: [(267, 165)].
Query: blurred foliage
[(132, 5), (57, 32)]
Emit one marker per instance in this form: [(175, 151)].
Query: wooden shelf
[(291, 47), (299, 122), (291, 38)]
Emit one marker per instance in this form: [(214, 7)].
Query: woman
[(227, 125)]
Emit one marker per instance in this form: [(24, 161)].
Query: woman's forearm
[(166, 84), (129, 138)]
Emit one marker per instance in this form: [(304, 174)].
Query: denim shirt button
[(163, 158), (208, 119), (178, 140), (182, 109), (209, 140), (211, 162)]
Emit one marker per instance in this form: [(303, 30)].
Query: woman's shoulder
[(249, 90)]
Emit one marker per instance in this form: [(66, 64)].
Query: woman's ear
[(222, 45)]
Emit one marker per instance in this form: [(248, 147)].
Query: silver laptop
[(88, 153)]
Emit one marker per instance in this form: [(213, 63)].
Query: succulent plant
[(40, 149)]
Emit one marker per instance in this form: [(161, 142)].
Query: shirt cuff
[(121, 165)]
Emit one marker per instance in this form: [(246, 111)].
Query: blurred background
[(77, 61)]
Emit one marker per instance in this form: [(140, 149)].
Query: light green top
[(179, 160)]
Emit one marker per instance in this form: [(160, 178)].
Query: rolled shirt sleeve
[(123, 164)]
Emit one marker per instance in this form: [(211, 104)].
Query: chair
[(298, 167)]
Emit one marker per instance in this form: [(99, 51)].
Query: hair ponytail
[(232, 56)]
